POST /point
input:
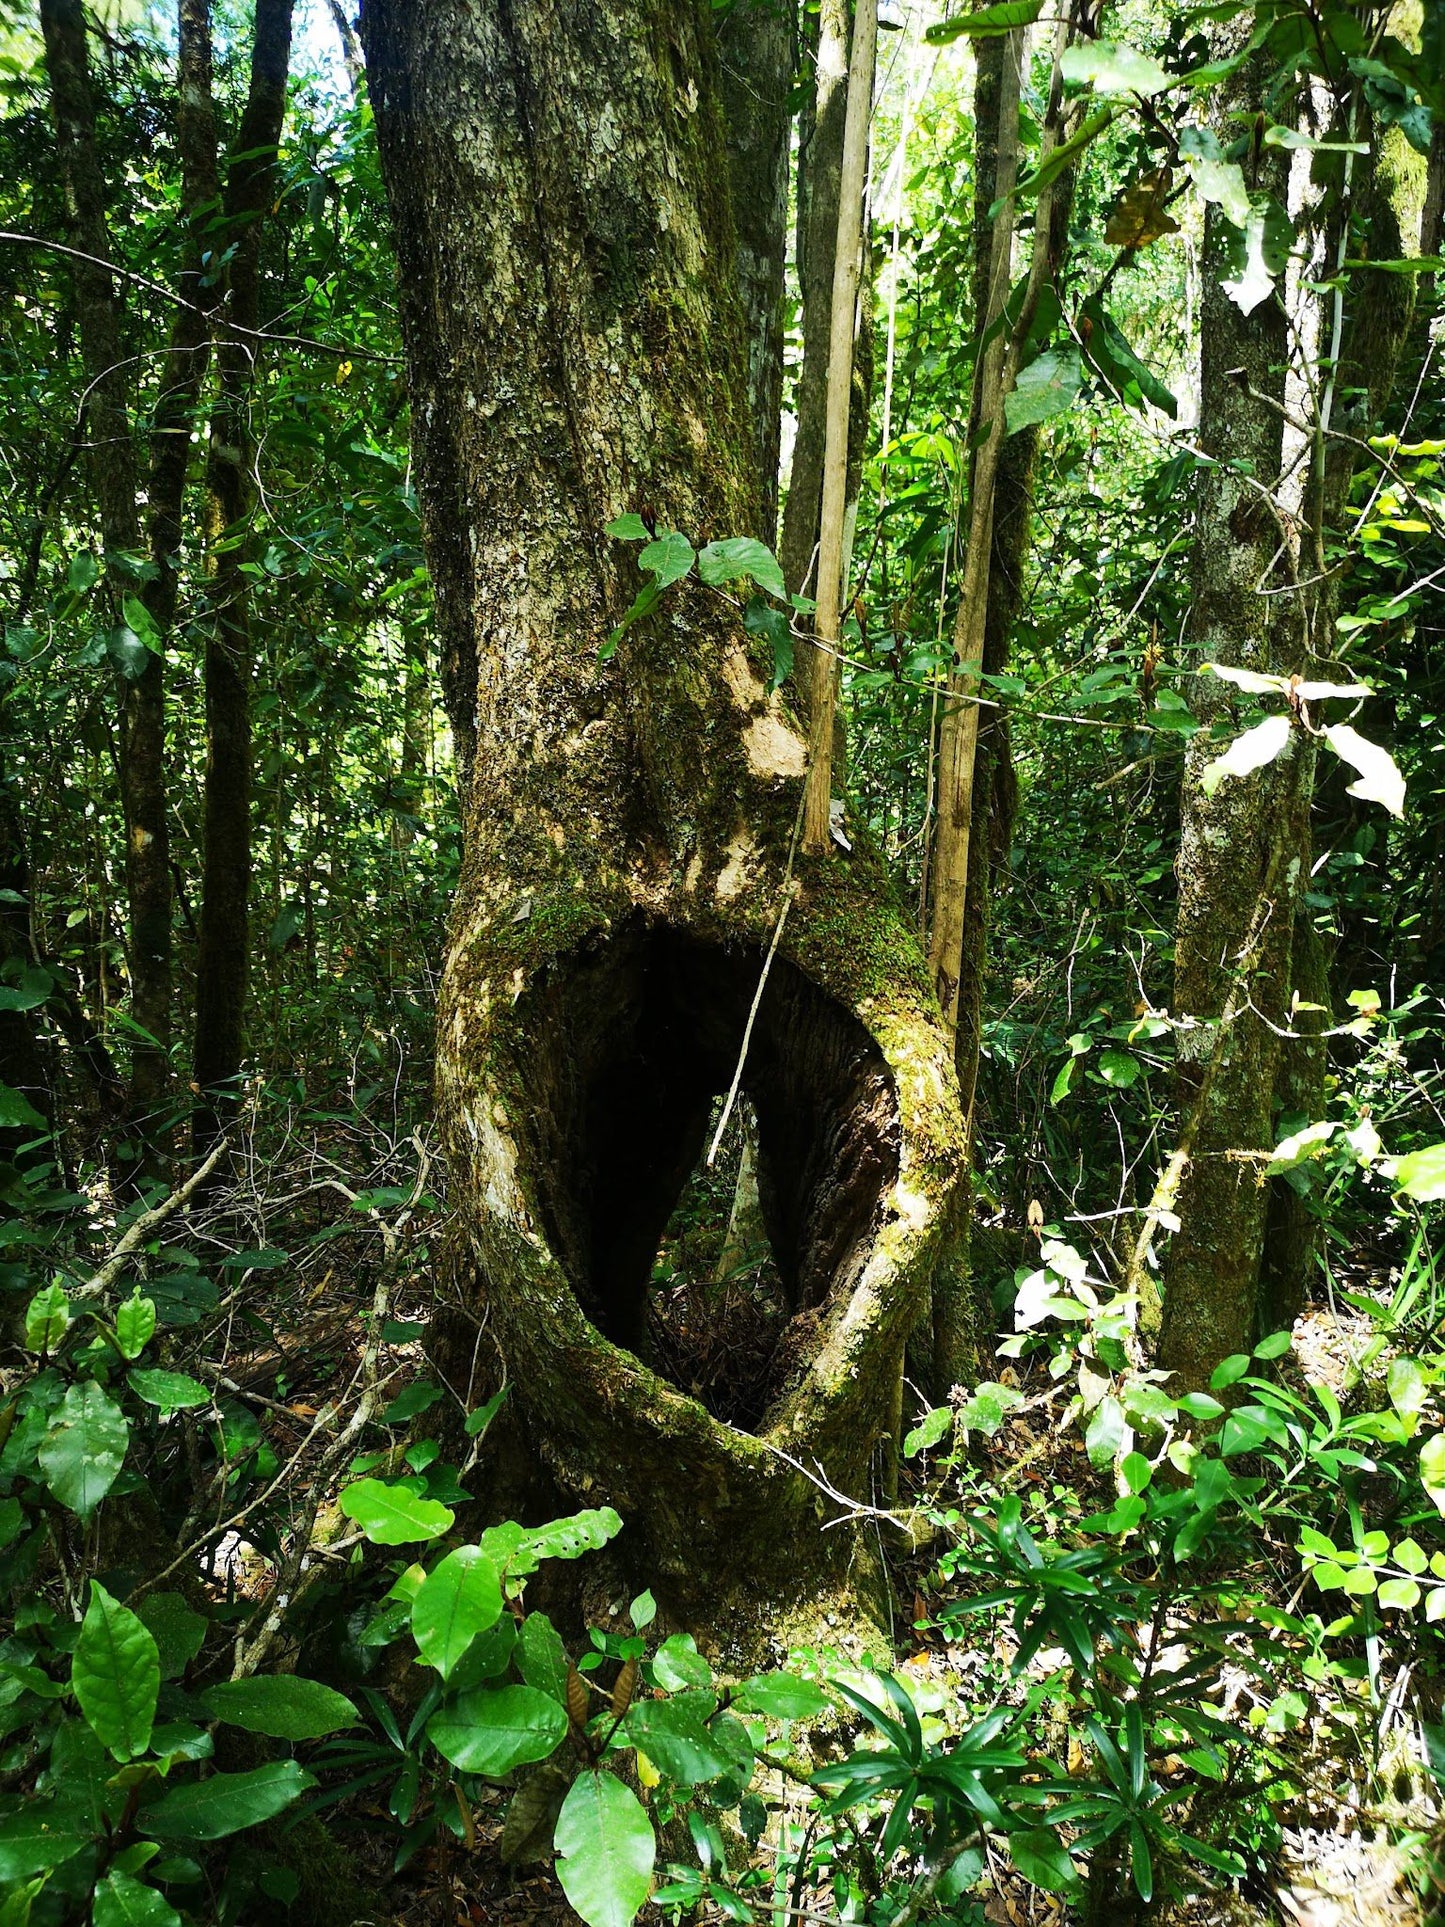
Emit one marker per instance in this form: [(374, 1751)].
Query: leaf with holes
[(115, 1674), (84, 1448)]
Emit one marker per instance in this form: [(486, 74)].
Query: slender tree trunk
[(223, 949), (22, 1065), (757, 51), (113, 468), (576, 352), (820, 168), (1241, 861)]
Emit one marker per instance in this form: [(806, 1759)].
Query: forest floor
[(1349, 1852)]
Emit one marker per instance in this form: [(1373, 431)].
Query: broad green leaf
[(1421, 1175), (135, 1324), (1409, 1555), (1398, 1595), (607, 1850), (1247, 753), (123, 1901), (46, 1318), (629, 528), (668, 558), (115, 1674), (672, 1733), (84, 571), (84, 1447), (29, 993), (1107, 1433), (138, 620), (460, 1599), (1258, 252), (1215, 179), (677, 1663), (1229, 1371), (1112, 69), (281, 1706), (41, 1835), (929, 1430), (517, 1550), (1044, 389), (1380, 780), (1118, 1068), (782, 1696), (178, 1632), (390, 1515), (127, 652), (542, 1658), (1408, 1386), (987, 23), (17, 1113), (1111, 354), (171, 1391), (1043, 1860), (226, 1803), (741, 558), (1274, 1346), (764, 619), (492, 1729)]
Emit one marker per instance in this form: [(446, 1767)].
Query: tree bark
[(224, 944), (576, 352), (1241, 860), (756, 47)]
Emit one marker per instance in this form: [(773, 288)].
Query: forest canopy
[(722, 913)]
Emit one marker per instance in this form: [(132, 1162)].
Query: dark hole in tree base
[(633, 1043)]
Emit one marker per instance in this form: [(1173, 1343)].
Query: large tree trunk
[(576, 352), (224, 947)]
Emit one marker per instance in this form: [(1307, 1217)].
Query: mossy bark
[(576, 351), (1241, 858)]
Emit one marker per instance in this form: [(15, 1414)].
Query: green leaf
[(127, 652), (481, 1418), (123, 1901), (517, 1550), (46, 1318), (1110, 68), (643, 1610), (668, 558), (1063, 156), (1398, 1595), (390, 1515), (84, 1448), (495, 1728), (782, 1696), (986, 23), (1421, 1175), (1107, 1432), (1257, 252), (1432, 1469), (1380, 780), (1119, 1069), (542, 1658), (673, 1735), (226, 1803), (39, 1837), (741, 558), (1215, 179), (1117, 362), (281, 1706), (607, 1850), (1044, 389), (1274, 1346), (115, 1674), (677, 1663), (1229, 1371), (1065, 1078), (171, 1391), (1043, 1860), (84, 572), (763, 619), (628, 528), (1247, 753), (31, 991), (460, 1598), (17, 1113), (928, 1431), (178, 1632), (138, 621), (643, 603), (135, 1324)]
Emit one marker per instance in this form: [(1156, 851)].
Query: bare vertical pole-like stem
[(847, 268)]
